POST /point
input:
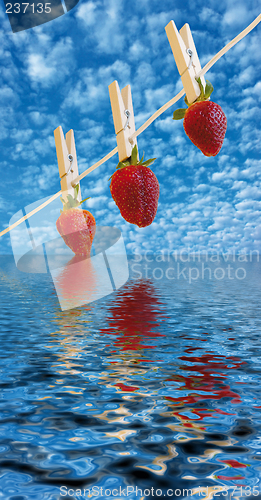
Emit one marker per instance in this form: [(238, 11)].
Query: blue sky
[(58, 74)]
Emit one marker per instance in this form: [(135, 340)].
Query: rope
[(37, 209), (201, 73), (146, 124)]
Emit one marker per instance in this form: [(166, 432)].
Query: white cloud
[(7, 95), (91, 88), (255, 91), (103, 18), (87, 12), (38, 68), (250, 192), (234, 15), (59, 74), (217, 176), (51, 63)]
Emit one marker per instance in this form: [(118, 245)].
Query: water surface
[(154, 386)]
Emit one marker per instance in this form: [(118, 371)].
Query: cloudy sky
[(58, 74)]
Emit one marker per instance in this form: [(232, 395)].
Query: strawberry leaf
[(148, 162), (134, 155), (208, 89), (120, 165), (202, 92), (71, 200), (140, 162), (179, 114), (133, 160), (84, 200)]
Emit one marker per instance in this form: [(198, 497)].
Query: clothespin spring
[(191, 55), (128, 114), (70, 158)]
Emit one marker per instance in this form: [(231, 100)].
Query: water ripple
[(155, 386)]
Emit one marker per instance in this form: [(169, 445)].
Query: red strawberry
[(77, 227), (204, 122), (135, 190)]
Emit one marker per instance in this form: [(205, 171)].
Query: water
[(155, 387)]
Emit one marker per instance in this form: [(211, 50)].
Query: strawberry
[(205, 122), (135, 190), (76, 227)]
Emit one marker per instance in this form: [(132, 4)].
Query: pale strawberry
[(76, 226)]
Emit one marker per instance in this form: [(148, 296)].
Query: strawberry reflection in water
[(134, 318), (76, 284), (210, 374), (205, 386)]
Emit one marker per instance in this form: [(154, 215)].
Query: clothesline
[(144, 126)]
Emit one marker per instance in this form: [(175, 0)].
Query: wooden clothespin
[(67, 159), (123, 117), (186, 58)]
